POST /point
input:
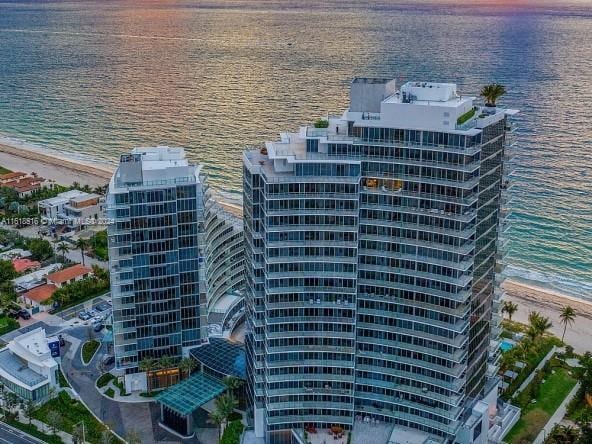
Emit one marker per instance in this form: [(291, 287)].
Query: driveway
[(120, 416)]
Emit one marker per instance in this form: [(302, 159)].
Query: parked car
[(85, 316), (103, 306), (98, 327), (24, 314), (13, 314), (108, 360)]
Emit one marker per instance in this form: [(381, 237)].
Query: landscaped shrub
[(88, 350), (104, 379), (232, 433)]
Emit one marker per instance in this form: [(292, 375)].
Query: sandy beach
[(63, 171), (528, 296), (531, 297)]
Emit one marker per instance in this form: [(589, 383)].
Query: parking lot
[(73, 312)]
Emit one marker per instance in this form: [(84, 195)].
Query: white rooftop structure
[(27, 366), (149, 166), (15, 253), (34, 279)]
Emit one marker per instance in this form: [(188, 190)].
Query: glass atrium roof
[(191, 393), (223, 356)]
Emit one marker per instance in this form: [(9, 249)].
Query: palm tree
[(567, 316), (510, 308), (165, 363), (539, 325), (232, 383), (63, 248), (82, 244), (225, 405), (186, 366), (217, 419), (492, 92), (148, 365)]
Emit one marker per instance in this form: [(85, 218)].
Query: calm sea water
[(97, 78)]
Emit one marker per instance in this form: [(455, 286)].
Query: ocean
[(95, 78)]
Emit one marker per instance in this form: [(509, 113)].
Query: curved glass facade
[(371, 266)]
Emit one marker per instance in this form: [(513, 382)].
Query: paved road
[(72, 312), (10, 435)]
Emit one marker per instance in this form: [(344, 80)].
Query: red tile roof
[(59, 277), (21, 265), (41, 293), (13, 175)]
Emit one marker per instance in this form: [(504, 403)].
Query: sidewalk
[(557, 416)]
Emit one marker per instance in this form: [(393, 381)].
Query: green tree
[(225, 405), (510, 308), (186, 366), (165, 363), (538, 325), (28, 409), (567, 316), (232, 384), (216, 418), (63, 248), (54, 420), (148, 365), (492, 92), (40, 249), (82, 244), (7, 271)]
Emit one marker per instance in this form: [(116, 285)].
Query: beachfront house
[(28, 365), (24, 184), (72, 209)]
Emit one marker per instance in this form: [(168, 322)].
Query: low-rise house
[(35, 279), (37, 297), (23, 183), (69, 275), (15, 253), (74, 209), (23, 264), (28, 366)]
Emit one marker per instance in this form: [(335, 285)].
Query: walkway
[(557, 416), (122, 417), (536, 370)]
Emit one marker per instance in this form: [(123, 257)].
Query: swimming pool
[(506, 345)]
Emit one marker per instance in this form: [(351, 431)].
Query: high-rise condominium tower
[(156, 255), (371, 246)]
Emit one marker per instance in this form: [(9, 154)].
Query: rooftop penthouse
[(155, 166), (419, 113)]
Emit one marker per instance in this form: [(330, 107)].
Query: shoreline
[(529, 296)]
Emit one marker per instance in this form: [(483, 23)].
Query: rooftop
[(42, 293), (17, 368), (24, 264), (12, 175), (191, 393), (159, 165), (65, 197), (66, 274), (223, 356)]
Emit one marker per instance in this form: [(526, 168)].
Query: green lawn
[(534, 416), (110, 392), (72, 412), (88, 350), (466, 116), (4, 170), (62, 379), (7, 324)]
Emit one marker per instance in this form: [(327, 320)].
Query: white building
[(27, 366), (72, 208)]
